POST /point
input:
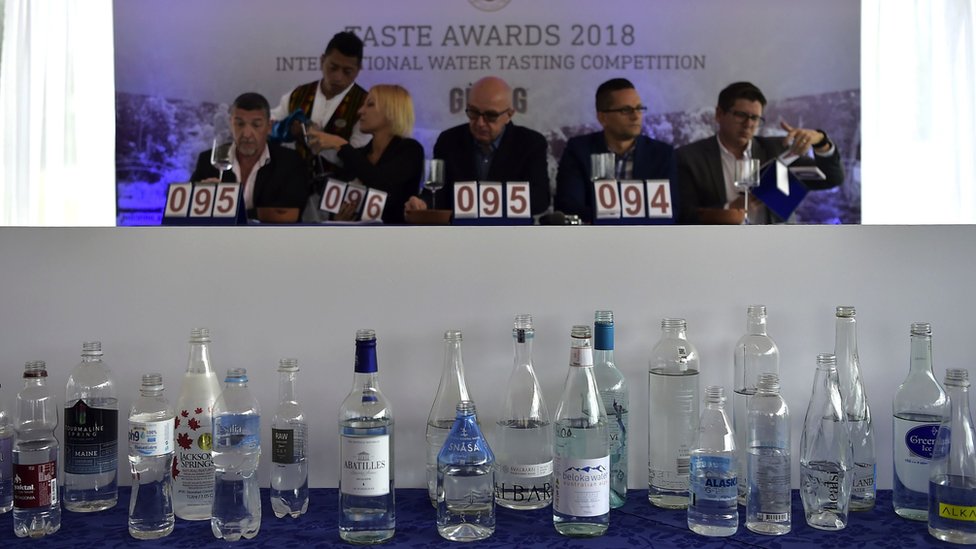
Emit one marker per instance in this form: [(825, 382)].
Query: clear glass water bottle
[(714, 473), (581, 457), (289, 443), (616, 404), (755, 354), (367, 501), (672, 417), (236, 454), (37, 507), (151, 447), (6, 461), (768, 501), (193, 469), (523, 443), (826, 456), (918, 408), (855, 402), (952, 480), (91, 434), (450, 391), (465, 487)]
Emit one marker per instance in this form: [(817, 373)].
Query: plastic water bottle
[(713, 482), (151, 446), (37, 509), (450, 391), (236, 454), (768, 501), (855, 401), (616, 403), (289, 444), (465, 480), (6, 462), (952, 481)]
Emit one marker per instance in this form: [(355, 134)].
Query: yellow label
[(957, 512)]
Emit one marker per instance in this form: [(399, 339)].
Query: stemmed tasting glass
[(433, 178), (746, 178), (318, 167), (220, 155), (602, 166)]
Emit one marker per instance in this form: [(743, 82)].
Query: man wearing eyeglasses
[(621, 114), (706, 168), (490, 147)]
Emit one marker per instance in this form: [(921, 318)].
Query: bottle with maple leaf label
[(193, 469)]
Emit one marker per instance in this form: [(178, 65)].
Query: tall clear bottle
[(450, 391), (918, 408), (952, 480), (713, 482), (289, 441), (581, 460), (855, 401), (367, 502), (523, 443), (768, 501), (672, 417), (193, 470), (37, 507), (465, 483), (236, 454), (151, 447), (91, 434), (755, 354), (616, 403), (6, 461), (826, 456)]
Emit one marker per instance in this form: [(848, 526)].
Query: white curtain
[(57, 113), (918, 84)]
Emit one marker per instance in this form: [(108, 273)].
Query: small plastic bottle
[(713, 507)]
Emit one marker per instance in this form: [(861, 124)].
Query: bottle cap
[(288, 365), (200, 335), (957, 377), (845, 311), (921, 328)]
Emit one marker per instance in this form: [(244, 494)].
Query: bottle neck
[(756, 324), (958, 404), (287, 391), (845, 340), (151, 392), (675, 332), (453, 374), (921, 361), (199, 361), (523, 352)]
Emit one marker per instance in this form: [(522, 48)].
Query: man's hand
[(414, 203), (319, 140), (799, 140)]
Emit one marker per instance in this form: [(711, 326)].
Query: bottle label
[(91, 444), (914, 443), (237, 431), (523, 483), (713, 478), (288, 445), (864, 480), (151, 438), (675, 479), (582, 486), (193, 469), (36, 485), (581, 356), (957, 512), (365, 465)]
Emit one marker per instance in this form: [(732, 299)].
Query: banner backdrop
[(179, 63)]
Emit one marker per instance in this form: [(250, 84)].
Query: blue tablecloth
[(637, 524)]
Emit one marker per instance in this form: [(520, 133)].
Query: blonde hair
[(394, 102)]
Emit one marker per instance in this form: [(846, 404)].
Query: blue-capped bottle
[(289, 444), (37, 507), (367, 501), (713, 477), (465, 480), (952, 480), (616, 403), (236, 454), (857, 409), (151, 446)]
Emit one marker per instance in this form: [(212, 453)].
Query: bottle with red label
[(37, 509)]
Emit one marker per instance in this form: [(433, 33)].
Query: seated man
[(706, 168), (491, 148), (273, 176), (620, 111)]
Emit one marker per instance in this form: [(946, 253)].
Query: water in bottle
[(236, 454), (616, 403), (855, 402), (768, 501), (289, 442), (713, 476), (151, 447), (6, 462), (952, 480), (450, 391), (37, 507), (465, 483)]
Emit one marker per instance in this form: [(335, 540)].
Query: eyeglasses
[(627, 111), (743, 116), (490, 116)]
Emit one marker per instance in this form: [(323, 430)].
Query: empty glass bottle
[(465, 487), (6, 461), (289, 441), (826, 456), (918, 408), (450, 391), (151, 446), (523, 443), (855, 402), (713, 482), (616, 403), (672, 417), (37, 507), (768, 501), (952, 480)]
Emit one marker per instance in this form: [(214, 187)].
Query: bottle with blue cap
[(236, 454)]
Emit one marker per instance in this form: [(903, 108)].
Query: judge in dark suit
[(706, 168), (620, 112), (491, 148), (273, 176)]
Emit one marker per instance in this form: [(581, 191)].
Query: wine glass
[(433, 178), (746, 178), (318, 166), (220, 156)]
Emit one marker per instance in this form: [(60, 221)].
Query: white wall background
[(268, 293)]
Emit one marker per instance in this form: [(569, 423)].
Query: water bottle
[(616, 404), (672, 417), (826, 455), (151, 447), (6, 462), (581, 457), (713, 471), (465, 483), (523, 444), (236, 454), (37, 509), (193, 469), (768, 501), (855, 402), (755, 354), (450, 391), (367, 500), (289, 443), (91, 434), (952, 480)]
